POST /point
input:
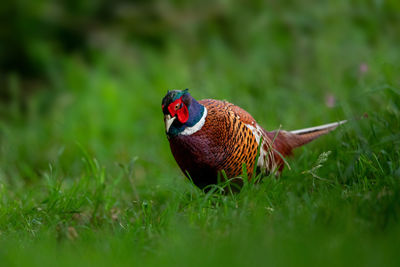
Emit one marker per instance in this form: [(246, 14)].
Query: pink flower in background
[(363, 68), (330, 100)]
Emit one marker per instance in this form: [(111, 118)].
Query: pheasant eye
[(177, 106)]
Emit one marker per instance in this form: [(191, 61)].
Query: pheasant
[(210, 136)]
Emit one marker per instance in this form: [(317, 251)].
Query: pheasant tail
[(304, 136), (285, 141)]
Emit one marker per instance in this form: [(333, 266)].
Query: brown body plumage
[(229, 138)]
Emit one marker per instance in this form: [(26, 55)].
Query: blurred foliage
[(35, 35)]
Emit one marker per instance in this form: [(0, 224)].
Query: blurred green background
[(81, 84)]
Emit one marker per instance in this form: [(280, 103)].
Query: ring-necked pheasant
[(209, 136)]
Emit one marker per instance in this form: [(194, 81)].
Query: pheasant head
[(181, 112)]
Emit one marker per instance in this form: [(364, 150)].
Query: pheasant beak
[(168, 120)]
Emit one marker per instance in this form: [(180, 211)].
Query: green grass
[(87, 177)]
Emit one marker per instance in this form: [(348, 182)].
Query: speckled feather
[(223, 143)]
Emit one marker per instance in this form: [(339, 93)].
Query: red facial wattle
[(179, 108)]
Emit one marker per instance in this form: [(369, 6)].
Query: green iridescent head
[(180, 110)]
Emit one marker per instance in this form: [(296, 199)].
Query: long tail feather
[(329, 127), (283, 142), (304, 136)]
